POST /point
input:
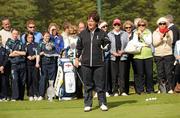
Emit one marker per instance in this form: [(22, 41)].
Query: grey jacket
[(124, 40)]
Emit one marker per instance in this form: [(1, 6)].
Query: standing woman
[(108, 86), (47, 63), (89, 46), (164, 59), (56, 37), (119, 40), (128, 27), (143, 61)]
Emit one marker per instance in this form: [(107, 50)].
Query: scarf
[(163, 30)]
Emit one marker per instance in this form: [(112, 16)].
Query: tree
[(18, 11), (128, 10)]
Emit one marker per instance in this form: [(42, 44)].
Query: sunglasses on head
[(104, 26), (116, 24), (128, 27), (142, 25), (162, 23)]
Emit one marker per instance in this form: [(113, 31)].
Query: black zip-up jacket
[(92, 54)]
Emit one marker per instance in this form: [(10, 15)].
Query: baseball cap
[(116, 21)]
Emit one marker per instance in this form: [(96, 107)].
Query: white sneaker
[(1, 100), (87, 108), (13, 100), (159, 92), (170, 92), (31, 98), (116, 94), (107, 94), (124, 94), (103, 107), (35, 98), (95, 95), (40, 98)]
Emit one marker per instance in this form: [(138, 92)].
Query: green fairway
[(133, 106)]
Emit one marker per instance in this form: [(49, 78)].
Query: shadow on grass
[(117, 103)]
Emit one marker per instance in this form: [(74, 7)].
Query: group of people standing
[(98, 54)]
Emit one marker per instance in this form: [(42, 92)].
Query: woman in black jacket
[(90, 46)]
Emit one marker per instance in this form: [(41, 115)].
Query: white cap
[(162, 19)]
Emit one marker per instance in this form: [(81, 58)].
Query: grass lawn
[(132, 106)]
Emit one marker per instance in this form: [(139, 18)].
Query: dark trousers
[(79, 90), (93, 79), (119, 71), (107, 76), (144, 75), (165, 71), (32, 80), (48, 72), (3, 86), (177, 73), (18, 72), (130, 62)]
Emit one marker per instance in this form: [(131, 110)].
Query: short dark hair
[(4, 18), (29, 33), (94, 15)]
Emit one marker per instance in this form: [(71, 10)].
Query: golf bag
[(65, 84)]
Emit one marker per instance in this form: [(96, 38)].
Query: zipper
[(92, 35)]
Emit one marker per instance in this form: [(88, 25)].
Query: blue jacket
[(58, 42), (37, 35)]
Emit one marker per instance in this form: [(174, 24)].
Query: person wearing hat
[(90, 46), (164, 59), (119, 40)]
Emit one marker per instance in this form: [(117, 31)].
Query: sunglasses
[(31, 27), (141, 25), (116, 24), (128, 27), (104, 26), (162, 23)]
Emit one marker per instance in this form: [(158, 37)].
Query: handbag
[(177, 88), (132, 48)]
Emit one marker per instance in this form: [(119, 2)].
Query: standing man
[(6, 30), (173, 28), (89, 46), (31, 27), (5, 33)]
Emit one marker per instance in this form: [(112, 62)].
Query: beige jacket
[(163, 46)]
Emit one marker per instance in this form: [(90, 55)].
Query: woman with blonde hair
[(128, 27), (143, 61)]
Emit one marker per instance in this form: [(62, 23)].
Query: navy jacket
[(3, 56)]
